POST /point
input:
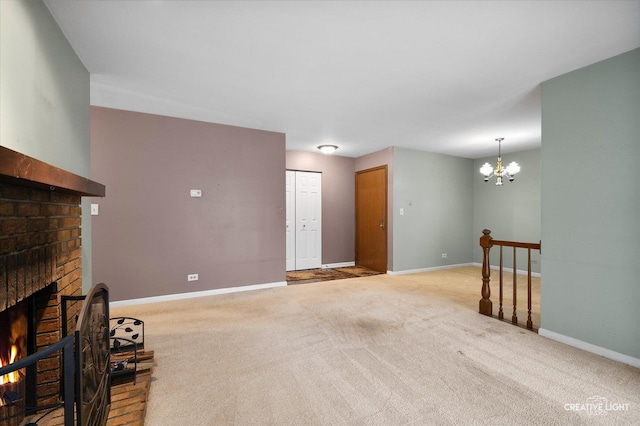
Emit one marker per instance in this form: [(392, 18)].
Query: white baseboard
[(518, 272), (338, 265), (589, 347), (170, 297), (436, 268)]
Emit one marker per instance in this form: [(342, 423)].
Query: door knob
[(382, 223)]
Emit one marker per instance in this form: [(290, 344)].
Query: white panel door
[(291, 219), (308, 220), (303, 220)]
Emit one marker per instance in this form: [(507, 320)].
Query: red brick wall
[(40, 247)]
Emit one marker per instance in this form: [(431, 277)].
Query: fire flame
[(14, 376)]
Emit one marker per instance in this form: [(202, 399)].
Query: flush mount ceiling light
[(500, 172), (328, 149)]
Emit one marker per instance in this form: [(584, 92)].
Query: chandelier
[(500, 172)]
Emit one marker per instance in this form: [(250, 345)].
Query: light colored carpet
[(380, 350)]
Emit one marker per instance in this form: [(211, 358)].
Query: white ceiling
[(440, 76)]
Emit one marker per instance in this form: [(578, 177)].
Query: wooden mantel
[(22, 170)]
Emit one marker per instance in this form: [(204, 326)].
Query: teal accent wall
[(511, 211), (44, 98), (435, 192), (591, 204)]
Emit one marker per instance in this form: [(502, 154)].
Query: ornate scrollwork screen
[(93, 384)]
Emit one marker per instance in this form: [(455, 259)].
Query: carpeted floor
[(378, 350), (328, 274)]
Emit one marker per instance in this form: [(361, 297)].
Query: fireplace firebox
[(13, 347), (21, 325)]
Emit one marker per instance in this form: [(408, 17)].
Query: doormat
[(328, 274)]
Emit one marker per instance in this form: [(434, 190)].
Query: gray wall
[(383, 157), (436, 193), (150, 233), (44, 95), (338, 205), (511, 211), (591, 204)]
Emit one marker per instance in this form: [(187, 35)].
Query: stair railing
[(486, 306)]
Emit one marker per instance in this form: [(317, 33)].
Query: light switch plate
[(196, 193), (95, 209)]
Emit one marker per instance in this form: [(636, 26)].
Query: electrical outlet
[(444, 255), (195, 193), (192, 277)]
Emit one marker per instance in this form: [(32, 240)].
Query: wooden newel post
[(486, 243)]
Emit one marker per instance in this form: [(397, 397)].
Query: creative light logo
[(597, 406)]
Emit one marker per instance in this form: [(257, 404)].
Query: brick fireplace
[(40, 261)]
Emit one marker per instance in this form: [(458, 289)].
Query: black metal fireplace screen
[(93, 387), (86, 372)]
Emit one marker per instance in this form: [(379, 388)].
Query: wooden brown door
[(371, 218)]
